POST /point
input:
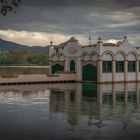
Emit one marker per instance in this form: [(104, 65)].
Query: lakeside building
[(110, 61)]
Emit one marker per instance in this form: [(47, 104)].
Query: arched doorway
[(57, 68), (72, 66), (89, 73)]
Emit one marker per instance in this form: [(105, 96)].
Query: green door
[(57, 68), (89, 73), (72, 66)]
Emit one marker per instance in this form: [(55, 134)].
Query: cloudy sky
[(37, 22)]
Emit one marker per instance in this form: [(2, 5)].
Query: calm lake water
[(70, 112)]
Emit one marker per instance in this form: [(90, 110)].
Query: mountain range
[(12, 46)]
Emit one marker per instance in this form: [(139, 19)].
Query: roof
[(93, 45), (72, 39), (62, 45), (112, 42)]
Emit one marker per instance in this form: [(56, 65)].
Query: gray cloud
[(104, 18), (77, 3)]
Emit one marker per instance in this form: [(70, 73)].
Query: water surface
[(70, 112)]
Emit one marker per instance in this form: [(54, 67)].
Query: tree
[(38, 59), (7, 6)]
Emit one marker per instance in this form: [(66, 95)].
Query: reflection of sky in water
[(69, 111), (24, 98)]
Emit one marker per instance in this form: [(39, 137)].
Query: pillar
[(66, 69), (137, 96), (137, 70), (79, 70), (125, 71), (113, 70), (100, 70), (50, 68)]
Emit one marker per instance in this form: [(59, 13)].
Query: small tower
[(99, 40), (89, 39), (125, 38), (51, 47), (51, 42)]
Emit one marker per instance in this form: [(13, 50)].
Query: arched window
[(72, 66), (131, 62), (107, 63), (57, 68), (119, 62)]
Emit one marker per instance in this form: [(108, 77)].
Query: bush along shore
[(23, 58)]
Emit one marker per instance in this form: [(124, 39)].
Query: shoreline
[(24, 66)]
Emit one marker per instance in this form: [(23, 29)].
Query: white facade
[(112, 61)]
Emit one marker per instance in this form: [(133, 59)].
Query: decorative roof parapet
[(125, 37), (99, 40), (51, 42)]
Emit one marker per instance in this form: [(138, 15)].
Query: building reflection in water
[(100, 102), (94, 104)]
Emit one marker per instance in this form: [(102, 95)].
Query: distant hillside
[(39, 49), (11, 46)]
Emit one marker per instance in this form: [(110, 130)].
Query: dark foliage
[(7, 6)]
